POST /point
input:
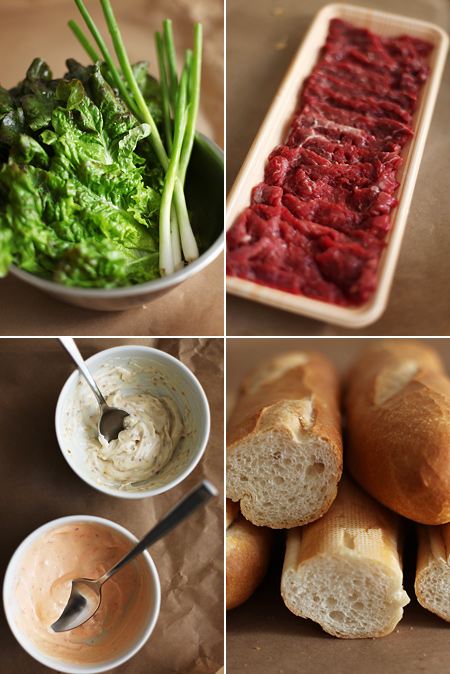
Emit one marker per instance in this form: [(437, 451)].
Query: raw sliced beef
[(317, 223)]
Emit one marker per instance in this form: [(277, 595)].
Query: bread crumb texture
[(344, 571), (432, 589), (288, 482), (284, 443), (433, 569)]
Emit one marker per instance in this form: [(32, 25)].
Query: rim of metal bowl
[(130, 291)]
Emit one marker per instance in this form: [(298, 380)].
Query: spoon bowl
[(111, 422), (83, 602)]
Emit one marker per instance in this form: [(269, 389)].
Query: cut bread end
[(432, 588), (349, 597), (433, 569), (285, 482)]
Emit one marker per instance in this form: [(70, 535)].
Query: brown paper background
[(37, 485), (264, 637), (30, 28), (264, 35)]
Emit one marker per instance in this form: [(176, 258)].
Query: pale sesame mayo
[(151, 432)]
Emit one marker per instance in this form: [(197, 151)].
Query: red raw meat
[(316, 225)]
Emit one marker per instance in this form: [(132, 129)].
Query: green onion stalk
[(180, 121), (180, 97)]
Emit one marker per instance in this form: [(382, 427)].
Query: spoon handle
[(72, 349), (189, 504)]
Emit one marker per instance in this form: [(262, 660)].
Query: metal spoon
[(85, 596), (111, 418)]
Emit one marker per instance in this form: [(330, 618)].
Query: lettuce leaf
[(79, 197), (102, 264)]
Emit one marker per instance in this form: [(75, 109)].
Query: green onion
[(166, 262), (194, 98), (75, 28), (171, 61), (127, 72), (175, 240), (164, 90), (183, 99), (107, 56)]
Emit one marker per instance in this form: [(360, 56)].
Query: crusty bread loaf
[(433, 569), (247, 556), (344, 571), (284, 443), (398, 411)]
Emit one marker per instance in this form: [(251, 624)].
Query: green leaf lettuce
[(78, 202)]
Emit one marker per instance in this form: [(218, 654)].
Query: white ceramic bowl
[(205, 199), (172, 379), (143, 631)]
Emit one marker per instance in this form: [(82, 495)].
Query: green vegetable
[(167, 260), (93, 166), (75, 28), (170, 220), (73, 189)]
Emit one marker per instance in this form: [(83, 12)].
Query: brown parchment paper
[(37, 485), (264, 35), (31, 28), (263, 636)]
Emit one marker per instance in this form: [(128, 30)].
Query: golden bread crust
[(399, 430), (248, 551), (286, 403)]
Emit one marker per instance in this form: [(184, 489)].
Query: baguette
[(432, 583), (344, 571), (247, 556), (398, 411), (284, 442)]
